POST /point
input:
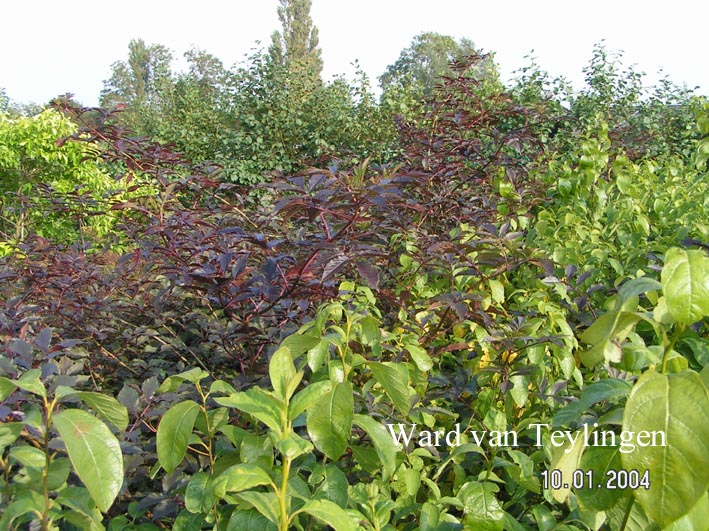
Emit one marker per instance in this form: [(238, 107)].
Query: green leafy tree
[(298, 40), (139, 81), (35, 170), (425, 61)]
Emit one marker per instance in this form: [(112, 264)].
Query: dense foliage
[(426, 330)]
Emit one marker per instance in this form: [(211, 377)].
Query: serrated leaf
[(94, 452), (678, 406), (174, 433), (329, 420)]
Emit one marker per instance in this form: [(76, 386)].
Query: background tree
[(297, 42), (425, 61), (138, 81)]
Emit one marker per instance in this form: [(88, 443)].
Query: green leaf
[(240, 477), (298, 344), (685, 284), (28, 456), (429, 518), (250, 520), (257, 402), (606, 389), (420, 357), (606, 334), (307, 397), (331, 514), (694, 520), (106, 407), (264, 502), (28, 502), (567, 458), (317, 354), (199, 494), (173, 383), (284, 377), (94, 452), (482, 509), (395, 385), (30, 381), (9, 432), (293, 445), (185, 521), (333, 484), (7, 387), (329, 420), (678, 406), (599, 459), (174, 433), (383, 443)]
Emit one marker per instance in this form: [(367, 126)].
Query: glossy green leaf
[(685, 284), (29, 502), (678, 406), (599, 459), (28, 456), (605, 336), (265, 503), (481, 507), (395, 385), (331, 514), (106, 407), (185, 521), (257, 402), (284, 377), (567, 458), (382, 441), (429, 517), (240, 477), (307, 397), (292, 445), (94, 452), (9, 432), (606, 389), (249, 520), (420, 356), (30, 381), (199, 494), (7, 387), (329, 420), (174, 433), (333, 484), (173, 383), (694, 520)]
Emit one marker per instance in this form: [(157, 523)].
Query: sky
[(49, 48)]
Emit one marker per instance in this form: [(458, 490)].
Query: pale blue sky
[(49, 48)]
